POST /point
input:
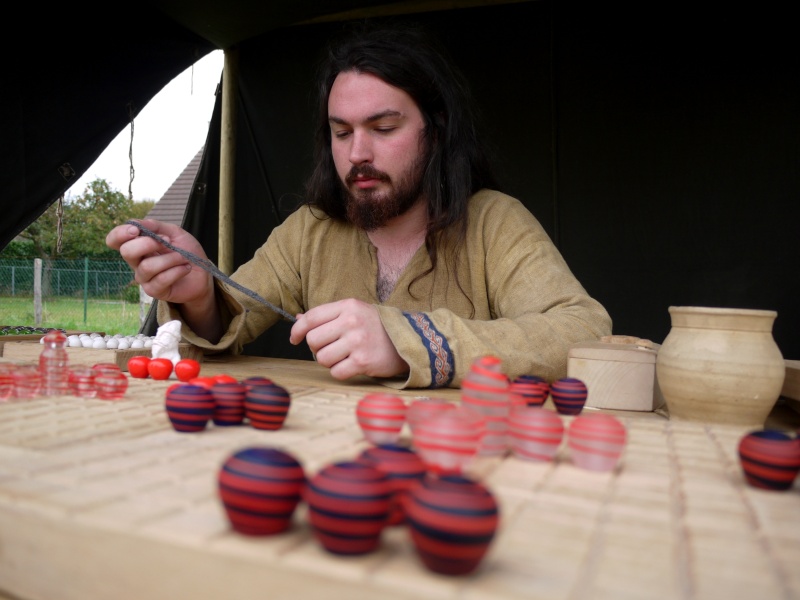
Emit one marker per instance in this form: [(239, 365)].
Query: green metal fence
[(107, 279), (98, 295)]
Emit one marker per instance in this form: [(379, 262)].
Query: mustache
[(365, 171)]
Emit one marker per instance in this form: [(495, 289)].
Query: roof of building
[(172, 205)]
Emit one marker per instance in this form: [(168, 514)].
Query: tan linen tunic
[(528, 306)]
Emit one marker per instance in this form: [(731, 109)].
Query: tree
[(86, 221)]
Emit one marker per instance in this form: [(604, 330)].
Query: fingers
[(299, 330), (163, 273), (311, 321), (376, 358), (153, 264), (135, 250), (126, 232), (163, 282), (327, 323), (120, 235), (347, 367), (131, 245), (348, 337)]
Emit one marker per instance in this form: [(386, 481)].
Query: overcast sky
[(167, 134)]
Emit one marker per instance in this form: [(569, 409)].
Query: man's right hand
[(167, 275)]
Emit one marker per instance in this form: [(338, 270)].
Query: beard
[(370, 209)]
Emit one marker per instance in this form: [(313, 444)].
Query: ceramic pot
[(720, 365)]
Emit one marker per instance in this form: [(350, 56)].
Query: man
[(403, 265)]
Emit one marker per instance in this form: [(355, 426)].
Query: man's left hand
[(348, 337)]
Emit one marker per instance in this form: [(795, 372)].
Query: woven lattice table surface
[(103, 499)]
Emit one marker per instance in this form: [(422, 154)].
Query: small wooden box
[(619, 373), (791, 384)]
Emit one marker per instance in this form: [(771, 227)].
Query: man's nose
[(361, 148)]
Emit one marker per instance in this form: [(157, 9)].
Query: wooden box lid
[(617, 349)]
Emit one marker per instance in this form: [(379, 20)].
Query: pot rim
[(713, 310), (708, 317)]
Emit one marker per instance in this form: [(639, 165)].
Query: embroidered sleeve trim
[(439, 354)]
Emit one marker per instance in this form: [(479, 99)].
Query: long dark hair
[(405, 56)]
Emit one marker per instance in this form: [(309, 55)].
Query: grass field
[(109, 316)]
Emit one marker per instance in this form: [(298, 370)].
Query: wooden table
[(102, 500)]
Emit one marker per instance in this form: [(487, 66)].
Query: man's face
[(377, 145)]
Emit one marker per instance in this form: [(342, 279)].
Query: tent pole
[(227, 161)]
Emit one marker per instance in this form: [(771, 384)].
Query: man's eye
[(385, 129), (341, 134)]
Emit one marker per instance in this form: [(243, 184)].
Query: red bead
[(228, 403), (596, 441), (424, 408), (348, 507), (111, 385), (485, 390), (530, 390), (27, 381), (536, 432), (189, 407), (381, 417), (260, 488), (6, 381), (770, 459), (569, 395), (81, 383), (404, 468), (256, 380), (266, 406), (452, 520), (447, 442)]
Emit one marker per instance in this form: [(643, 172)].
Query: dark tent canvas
[(657, 145)]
